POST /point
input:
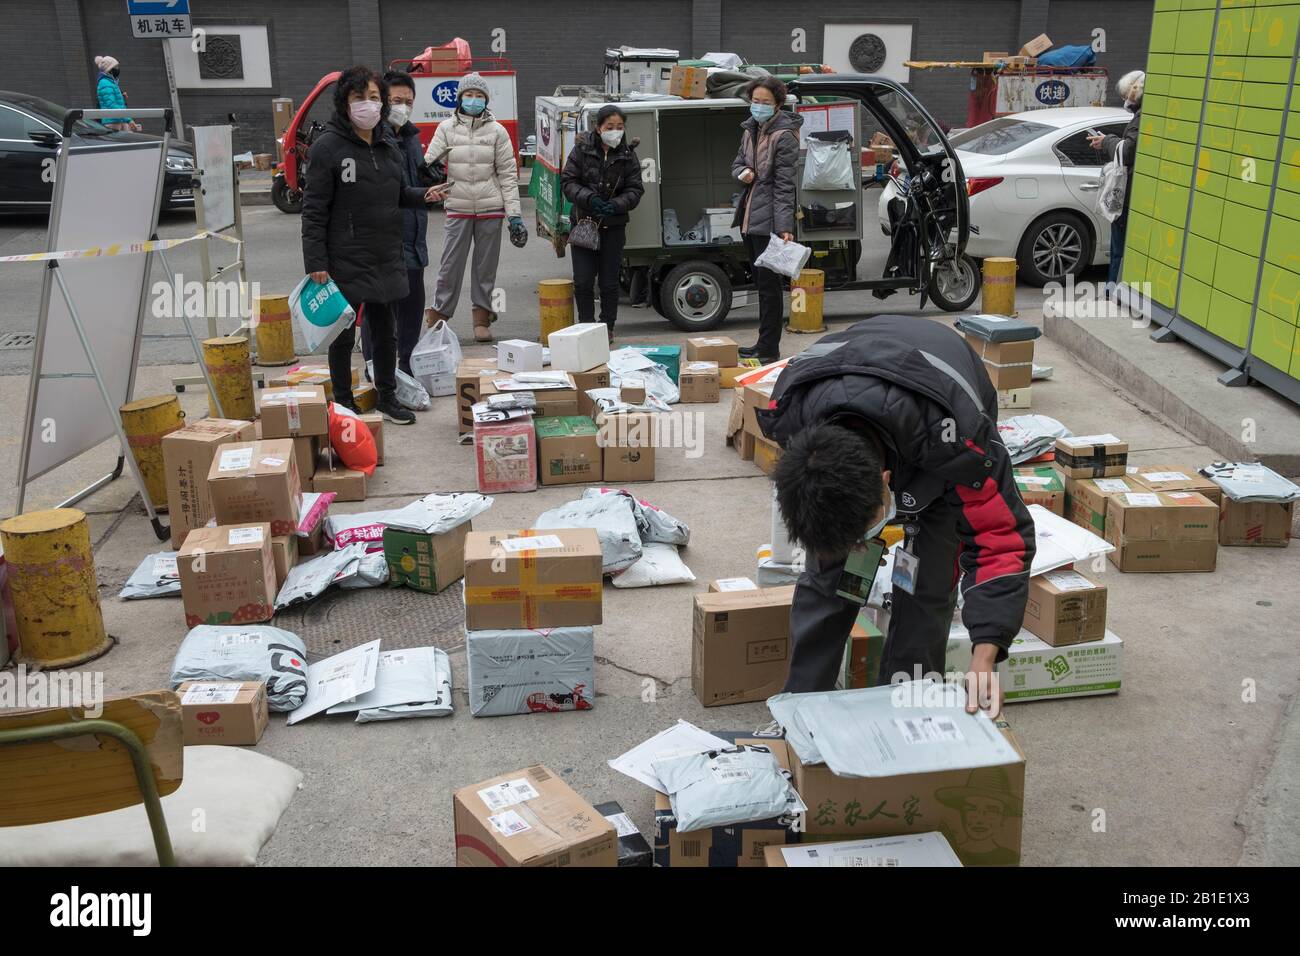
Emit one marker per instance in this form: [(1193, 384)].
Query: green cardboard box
[(669, 356), (568, 450), (425, 562)]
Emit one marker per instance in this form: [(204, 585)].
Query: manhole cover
[(17, 340), (400, 617)]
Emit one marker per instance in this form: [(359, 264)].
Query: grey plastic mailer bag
[(531, 672), (655, 525), (615, 522), (726, 787), (411, 682), (252, 652), (155, 577)]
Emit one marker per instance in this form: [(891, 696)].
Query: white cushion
[(241, 794)]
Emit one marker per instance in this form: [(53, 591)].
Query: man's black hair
[(829, 488), (399, 78), (357, 79)]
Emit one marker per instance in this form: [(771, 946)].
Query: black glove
[(518, 231), (603, 206)]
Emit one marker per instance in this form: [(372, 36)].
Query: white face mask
[(889, 514), (398, 114), (612, 137), (364, 113)]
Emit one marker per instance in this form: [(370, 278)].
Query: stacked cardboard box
[(1010, 364), (1065, 607), (227, 574), (1086, 500), (720, 349), (1157, 531), (627, 441), (1035, 670), (568, 450), (187, 457), (256, 481), (1041, 485), (532, 578), (1092, 456), (301, 414), (469, 374)]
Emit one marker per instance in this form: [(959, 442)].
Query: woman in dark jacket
[(352, 228), (1130, 86), (602, 178), (765, 163)]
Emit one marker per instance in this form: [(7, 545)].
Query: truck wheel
[(285, 199), (695, 296), (955, 284)]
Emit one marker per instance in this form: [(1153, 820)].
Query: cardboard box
[(1016, 397), (912, 849), (633, 850), (628, 443), (307, 376), (741, 440), (295, 411), (1173, 478), (689, 82), (468, 375), (530, 817), (597, 377), (365, 397), (1034, 670), (425, 562), (1037, 46), (995, 57), (375, 422), (979, 809), (1002, 353), (756, 396), (740, 649), (1092, 456), (579, 348), (863, 652), (304, 455), (1041, 485), (532, 578), (1153, 531), (631, 391), (732, 584), (256, 481), (1065, 607), (227, 575), (667, 356), (622, 465), (1085, 500), (727, 376), (187, 457), (568, 450), (519, 355), (232, 713), (348, 484), (721, 349), (1264, 524), (725, 846), (766, 454), (551, 402), (700, 383), (530, 671), (505, 456), (284, 554)]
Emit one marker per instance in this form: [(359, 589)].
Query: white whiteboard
[(212, 157), (104, 195)]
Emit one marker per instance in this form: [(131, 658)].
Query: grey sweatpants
[(460, 234)]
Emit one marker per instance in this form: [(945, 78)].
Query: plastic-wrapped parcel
[(249, 652), (531, 671), (724, 787)]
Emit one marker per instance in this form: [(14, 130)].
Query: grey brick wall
[(1127, 26)]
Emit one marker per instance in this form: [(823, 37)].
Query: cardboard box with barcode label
[(568, 450), (720, 349), (1016, 397), (740, 650), (1156, 531), (223, 712), (700, 383), (187, 457), (722, 585), (1086, 498), (1065, 607), (1041, 485), (425, 562), (1092, 456), (739, 844), (469, 374), (1172, 478), (1035, 670), (532, 578), (294, 412), (530, 817), (257, 481), (227, 574), (348, 484), (1260, 524)]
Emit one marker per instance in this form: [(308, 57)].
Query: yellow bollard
[(232, 377), (555, 300), (55, 594), (146, 421), (274, 330), (806, 295), (999, 293)]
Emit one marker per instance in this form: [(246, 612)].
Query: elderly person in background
[(1130, 86)]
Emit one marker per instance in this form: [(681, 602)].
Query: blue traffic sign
[(153, 8)]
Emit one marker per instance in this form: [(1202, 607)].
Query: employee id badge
[(860, 569), (905, 567)]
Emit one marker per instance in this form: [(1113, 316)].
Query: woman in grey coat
[(765, 163)]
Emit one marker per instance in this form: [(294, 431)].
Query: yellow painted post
[(55, 594), (232, 377), (555, 301), (146, 421), (999, 293), (806, 295), (274, 330)]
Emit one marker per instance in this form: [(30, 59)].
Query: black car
[(31, 130)]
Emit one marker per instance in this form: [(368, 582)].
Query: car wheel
[(1056, 246), (695, 296), (955, 283)]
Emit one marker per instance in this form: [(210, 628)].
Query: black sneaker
[(393, 411)]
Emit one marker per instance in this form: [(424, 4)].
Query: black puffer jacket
[(415, 220), (922, 388), (589, 172), (1111, 143), (352, 212)]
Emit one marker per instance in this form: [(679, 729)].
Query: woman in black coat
[(352, 228), (1130, 86), (602, 178)]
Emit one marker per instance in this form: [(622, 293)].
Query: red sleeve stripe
[(1000, 550)]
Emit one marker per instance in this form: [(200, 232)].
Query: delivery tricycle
[(682, 254)]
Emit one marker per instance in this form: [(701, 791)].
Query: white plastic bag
[(319, 313), (828, 166), (659, 564), (410, 393), (1114, 183), (784, 258), (434, 359)]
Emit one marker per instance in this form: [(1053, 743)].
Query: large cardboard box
[(468, 376), (1154, 531), (979, 809), (227, 575), (1065, 607), (689, 82), (1010, 364), (627, 440), (256, 481), (740, 649), (233, 713), (530, 817), (187, 457), (1086, 498), (597, 377), (724, 846), (722, 350), (568, 450), (1041, 485), (1173, 478), (700, 383), (1264, 524), (348, 484), (1092, 456), (551, 402), (295, 411), (1034, 670), (532, 578), (425, 562)]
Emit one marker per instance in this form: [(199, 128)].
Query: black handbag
[(585, 233)]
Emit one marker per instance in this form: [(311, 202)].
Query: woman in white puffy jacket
[(484, 191)]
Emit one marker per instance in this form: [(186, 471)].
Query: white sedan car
[(1032, 179)]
